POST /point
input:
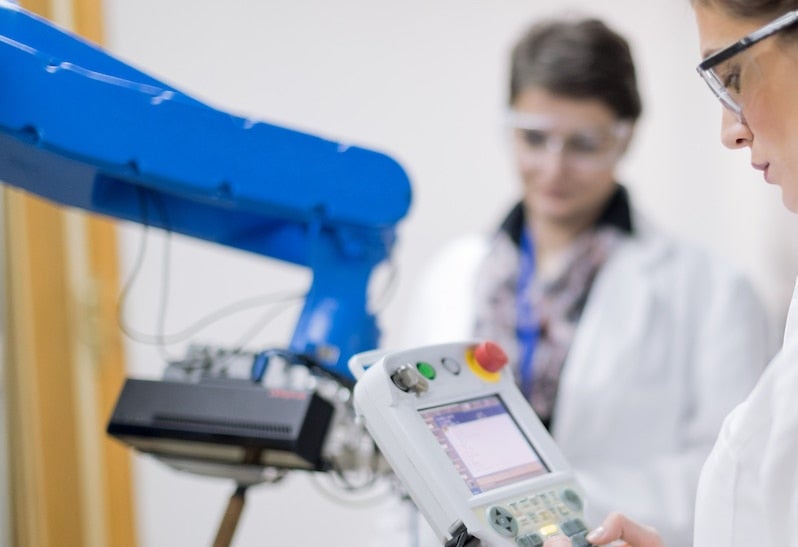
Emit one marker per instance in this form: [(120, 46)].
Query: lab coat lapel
[(611, 330)]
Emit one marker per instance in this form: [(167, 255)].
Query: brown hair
[(581, 59)]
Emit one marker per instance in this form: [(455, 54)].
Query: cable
[(382, 300), (133, 276), (350, 502), (160, 338), (265, 319), (217, 315)]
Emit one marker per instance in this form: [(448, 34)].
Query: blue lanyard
[(526, 328)]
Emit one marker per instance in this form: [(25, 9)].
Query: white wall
[(423, 80)]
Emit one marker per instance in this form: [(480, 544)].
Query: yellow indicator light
[(550, 530)]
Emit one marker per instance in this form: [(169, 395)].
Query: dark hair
[(581, 59), (755, 9)]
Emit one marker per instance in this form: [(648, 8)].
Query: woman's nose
[(734, 132), (553, 164)]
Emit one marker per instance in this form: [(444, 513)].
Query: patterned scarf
[(556, 299)]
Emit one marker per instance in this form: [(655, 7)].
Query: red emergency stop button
[(486, 361), (490, 356)]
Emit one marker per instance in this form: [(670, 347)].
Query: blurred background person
[(615, 330)]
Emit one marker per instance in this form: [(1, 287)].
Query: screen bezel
[(471, 482)]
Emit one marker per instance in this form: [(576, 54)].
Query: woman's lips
[(764, 167)]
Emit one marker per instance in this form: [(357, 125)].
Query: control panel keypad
[(532, 518)]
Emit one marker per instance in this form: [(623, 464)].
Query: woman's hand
[(617, 530), (624, 531)]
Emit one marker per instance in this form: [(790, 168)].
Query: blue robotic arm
[(83, 129)]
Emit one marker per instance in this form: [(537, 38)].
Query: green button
[(426, 370)]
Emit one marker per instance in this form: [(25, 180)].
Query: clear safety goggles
[(539, 139), (722, 75)]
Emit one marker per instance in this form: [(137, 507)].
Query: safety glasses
[(723, 77), (539, 138)]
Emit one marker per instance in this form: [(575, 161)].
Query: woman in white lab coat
[(748, 492), (615, 331)]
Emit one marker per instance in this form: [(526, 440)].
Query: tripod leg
[(227, 528)]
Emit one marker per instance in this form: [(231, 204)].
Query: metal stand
[(227, 528)]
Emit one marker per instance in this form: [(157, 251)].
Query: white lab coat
[(748, 493), (670, 340)]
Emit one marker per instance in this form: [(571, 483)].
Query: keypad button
[(572, 499), (529, 540), (502, 521), (573, 527), (579, 540)]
